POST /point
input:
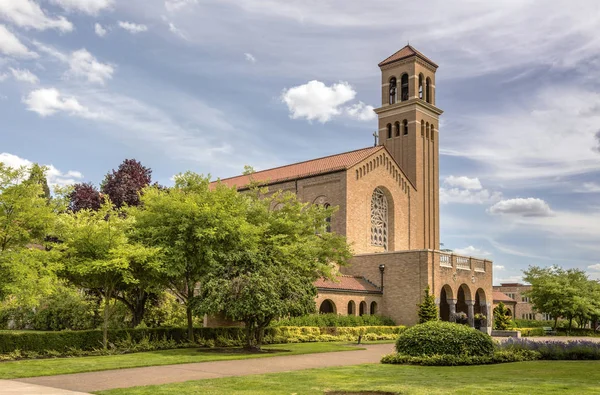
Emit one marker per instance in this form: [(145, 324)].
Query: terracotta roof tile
[(347, 283), (404, 53), (502, 297), (313, 167)]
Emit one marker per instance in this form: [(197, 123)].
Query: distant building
[(523, 309)]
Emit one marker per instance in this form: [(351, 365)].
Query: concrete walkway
[(124, 378), (9, 387)]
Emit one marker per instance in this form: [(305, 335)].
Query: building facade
[(388, 199), (523, 309)]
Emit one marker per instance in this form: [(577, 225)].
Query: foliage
[(502, 317), (98, 256), (556, 350), (428, 310), (165, 311), (458, 360), (334, 320), (271, 270), (123, 186), (37, 174), (84, 196), (439, 337), (65, 308), (519, 323), (564, 293)]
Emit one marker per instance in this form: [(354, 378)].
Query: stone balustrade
[(463, 262)]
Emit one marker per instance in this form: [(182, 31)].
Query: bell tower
[(408, 127)]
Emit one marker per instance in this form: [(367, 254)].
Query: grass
[(539, 377), (49, 367)]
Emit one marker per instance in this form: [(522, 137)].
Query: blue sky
[(212, 85)]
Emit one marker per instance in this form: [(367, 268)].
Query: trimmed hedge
[(439, 337), (329, 320), (458, 360), (64, 341)]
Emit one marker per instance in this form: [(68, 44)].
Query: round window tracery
[(379, 219)]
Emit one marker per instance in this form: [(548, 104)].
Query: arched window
[(422, 128), (327, 220), (420, 86), (427, 130), (428, 90), (404, 87), (351, 308), (432, 134), (397, 128), (379, 219), (392, 90), (389, 130), (362, 308), (405, 127), (373, 308), (327, 307)]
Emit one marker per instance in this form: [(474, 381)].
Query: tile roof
[(308, 168), (404, 53), (502, 297), (347, 283)]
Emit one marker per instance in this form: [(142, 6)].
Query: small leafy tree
[(123, 186), (502, 318), (428, 310), (84, 196)]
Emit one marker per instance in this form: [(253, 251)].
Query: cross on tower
[(376, 136)]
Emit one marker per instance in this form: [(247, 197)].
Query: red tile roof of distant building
[(348, 283), (501, 297)]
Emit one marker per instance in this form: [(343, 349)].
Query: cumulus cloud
[(589, 187), (28, 14), (595, 267), (10, 45), (471, 251), (499, 267), (176, 5), (317, 101), (53, 175), (361, 111), (24, 75), (90, 7), (133, 28), (465, 190), (99, 30), (49, 101), (83, 64), (249, 57), (597, 137), (529, 207)]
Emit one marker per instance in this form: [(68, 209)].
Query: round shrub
[(444, 338)]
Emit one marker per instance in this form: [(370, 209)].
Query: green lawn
[(49, 367), (540, 377)]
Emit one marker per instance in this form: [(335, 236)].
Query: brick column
[(452, 305), (471, 312)]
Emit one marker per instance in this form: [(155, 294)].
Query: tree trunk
[(555, 322), (138, 310), (190, 322), (570, 322), (105, 323)]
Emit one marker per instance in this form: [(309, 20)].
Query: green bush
[(330, 320), (457, 360), (533, 323), (531, 331), (439, 337), (65, 309)]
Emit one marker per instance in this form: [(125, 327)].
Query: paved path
[(123, 378), (9, 387)]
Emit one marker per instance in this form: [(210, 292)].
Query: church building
[(388, 199)]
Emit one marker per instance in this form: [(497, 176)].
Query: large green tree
[(98, 256), (196, 226), (270, 274)]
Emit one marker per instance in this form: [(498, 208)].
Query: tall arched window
[(404, 87), (393, 90), (351, 308), (427, 130), (405, 127), (389, 130), (327, 220), (379, 219), (420, 86), (373, 308), (432, 134), (422, 128), (397, 129), (362, 308), (428, 90)]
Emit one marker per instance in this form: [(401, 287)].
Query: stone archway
[(482, 307), (447, 303), (327, 307), (351, 308), (464, 303), (362, 308)]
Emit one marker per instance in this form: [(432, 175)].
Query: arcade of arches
[(462, 301)]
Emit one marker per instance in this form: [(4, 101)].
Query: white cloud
[(249, 57), (24, 75), (499, 267), (529, 207), (465, 190), (361, 111), (471, 251), (176, 5), (99, 30), (53, 175), (463, 182), (3, 76), (595, 267), (11, 46), (49, 101), (589, 187), (317, 101), (175, 30), (28, 14), (133, 28), (90, 7), (83, 64)]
